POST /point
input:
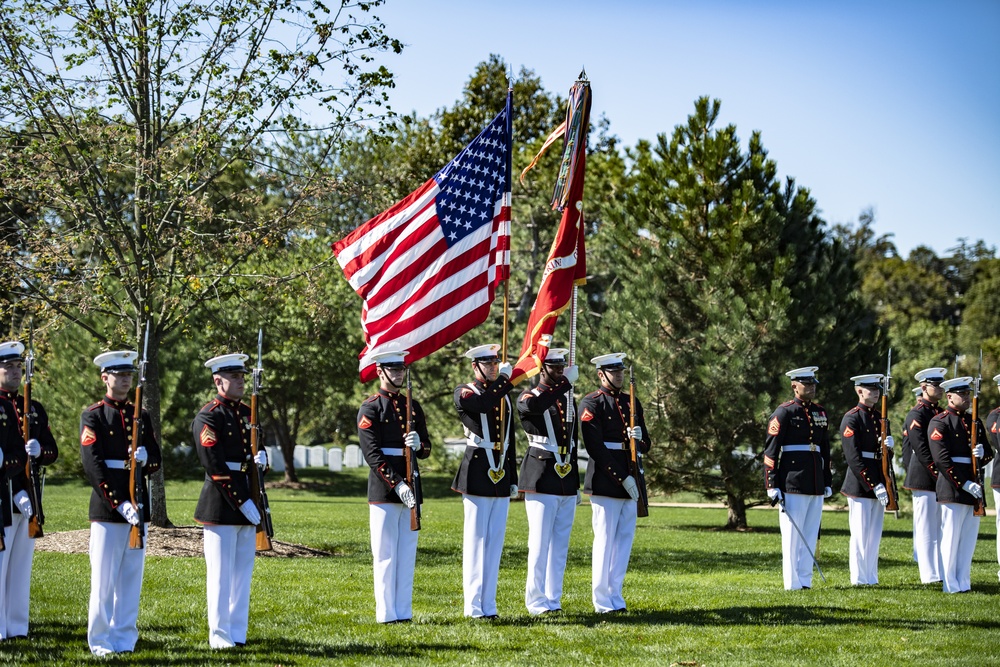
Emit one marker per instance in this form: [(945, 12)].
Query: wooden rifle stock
[(888, 472), (31, 466), (408, 456), (265, 529), (979, 504), (635, 468), (135, 485)]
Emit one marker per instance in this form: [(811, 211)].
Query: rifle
[(635, 462), (408, 455), (135, 483), (888, 472), (265, 529), (979, 504), (32, 467)]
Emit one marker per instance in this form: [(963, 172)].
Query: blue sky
[(885, 104)]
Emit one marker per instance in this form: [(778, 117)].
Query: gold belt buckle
[(812, 447)]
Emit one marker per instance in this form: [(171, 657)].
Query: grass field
[(696, 595)]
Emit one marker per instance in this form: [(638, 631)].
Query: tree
[(138, 133)]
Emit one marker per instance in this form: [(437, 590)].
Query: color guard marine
[(225, 509), (797, 474), (549, 479), (921, 474), (950, 436), (486, 477), (864, 484), (115, 569), (604, 424), (384, 437), (993, 435), (41, 445)]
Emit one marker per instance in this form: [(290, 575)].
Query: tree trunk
[(287, 445), (151, 402), (737, 519)]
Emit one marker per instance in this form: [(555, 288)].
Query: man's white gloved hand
[(23, 503), (141, 455), (774, 495), (505, 370), (260, 458), (973, 489), (250, 511), (33, 448), (827, 492), (514, 491), (889, 442), (572, 373), (631, 487), (882, 494), (978, 451), (412, 440), (127, 510), (405, 494), (635, 432)]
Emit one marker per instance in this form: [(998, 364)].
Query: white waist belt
[(961, 459), (476, 441), (869, 455), (393, 451), (236, 465), (116, 465), (615, 445), (544, 445), (800, 448)]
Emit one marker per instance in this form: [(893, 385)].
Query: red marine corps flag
[(566, 267), (427, 268)]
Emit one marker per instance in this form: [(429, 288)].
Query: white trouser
[(796, 563), (482, 544), (229, 556), (866, 516), (613, 520), (394, 552), (550, 521), (17, 581), (927, 535), (959, 532), (996, 506), (4, 561), (115, 585)]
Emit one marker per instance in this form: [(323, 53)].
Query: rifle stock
[(408, 455), (32, 467), (635, 465), (258, 492), (136, 533), (888, 471), (979, 504)]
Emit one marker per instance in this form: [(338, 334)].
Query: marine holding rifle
[(41, 447), (389, 423), (106, 433), (864, 484), (604, 424), (225, 508)]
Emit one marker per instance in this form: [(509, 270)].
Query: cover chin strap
[(389, 379), (605, 375)]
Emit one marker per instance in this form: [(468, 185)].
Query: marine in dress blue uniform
[(549, 479), (487, 476), (797, 474), (105, 444), (921, 474), (225, 509), (382, 433), (864, 484), (13, 456), (16, 584), (993, 435), (950, 439), (604, 424)]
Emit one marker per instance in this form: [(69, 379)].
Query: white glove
[(774, 495), (882, 494), (141, 456), (631, 487), (250, 511), (572, 373), (827, 492), (127, 510), (579, 496), (506, 369), (33, 448), (23, 503), (973, 489), (889, 442), (260, 458), (405, 494), (514, 491), (1, 457), (412, 440), (978, 451), (635, 432)]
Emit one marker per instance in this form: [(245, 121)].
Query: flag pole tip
[(583, 74)]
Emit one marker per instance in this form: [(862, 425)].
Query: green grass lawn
[(696, 595)]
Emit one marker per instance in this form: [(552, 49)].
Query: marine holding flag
[(428, 267)]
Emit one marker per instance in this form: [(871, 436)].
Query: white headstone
[(300, 456), (317, 456), (352, 457), (275, 459), (335, 459)]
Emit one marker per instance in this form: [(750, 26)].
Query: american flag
[(428, 267)]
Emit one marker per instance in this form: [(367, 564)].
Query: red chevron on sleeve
[(848, 432), (937, 435)]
